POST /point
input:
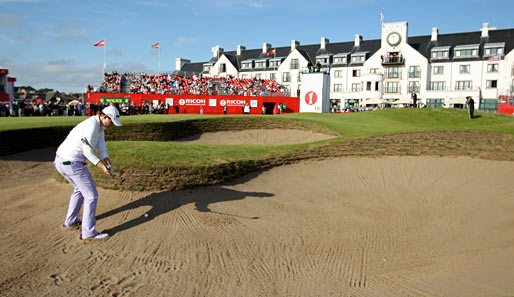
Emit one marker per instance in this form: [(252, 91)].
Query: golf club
[(86, 142)]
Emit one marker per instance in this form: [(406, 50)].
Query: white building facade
[(442, 69)]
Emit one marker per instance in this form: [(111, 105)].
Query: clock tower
[(394, 35)]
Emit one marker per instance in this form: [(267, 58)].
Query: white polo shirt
[(72, 149)]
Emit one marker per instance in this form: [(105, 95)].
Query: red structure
[(193, 104), (506, 104)]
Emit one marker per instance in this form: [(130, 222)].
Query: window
[(356, 73), (414, 72), (223, 68), (437, 86), (438, 69), (489, 104), (463, 85), (274, 64), (439, 54), (435, 102), (338, 87), (273, 76), (413, 86), (339, 60), (376, 85), (260, 64), (258, 76), (358, 59), (207, 68), (322, 61), (246, 65), (299, 77), (464, 68), (338, 73), (491, 84), (373, 71), (286, 77), (466, 51), (494, 49), (295, 64), (393, 72), (392, 87), (492, 67), (368, 86), (356, 87)]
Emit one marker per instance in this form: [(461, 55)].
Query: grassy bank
[(145, 157)]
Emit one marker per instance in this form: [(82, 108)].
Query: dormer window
[(440, 53), (494, 49), (323, 60), (260, 64), (246, 65), (207, 67), (358, 58), (274, 63), (466, 51), (340, 59)]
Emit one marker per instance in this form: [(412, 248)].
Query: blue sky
[(47, 43)]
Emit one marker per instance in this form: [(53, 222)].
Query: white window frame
[(493, 67), (437, 85), (338, 88), (463, 85), (286, 77), (414, 71), (295, 64), (356, 72), (414, 86), (489, 83), (466, 67), (356, 87), (438, 72), (338, 73), (392, 87)]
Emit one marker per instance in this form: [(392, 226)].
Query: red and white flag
[(495, 58), (156, 45), (272, 52), (100, 43)]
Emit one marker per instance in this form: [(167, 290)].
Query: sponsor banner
[(212, 102), (192, 101), (169, 101), (232, 102), (113, 100)]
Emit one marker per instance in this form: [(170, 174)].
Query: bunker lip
[(256, 137)]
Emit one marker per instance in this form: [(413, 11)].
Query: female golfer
[(70, 161)]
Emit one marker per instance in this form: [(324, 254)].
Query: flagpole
[(159, 69), (105, 63)]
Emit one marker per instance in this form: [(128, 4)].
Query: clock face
[(394, 38)]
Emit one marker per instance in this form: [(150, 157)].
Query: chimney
[(485, 30), (180, 62), (294, 44), (435, 33), (358, 39), (324, 42), (216, 51), (265, 47), (240, 49)]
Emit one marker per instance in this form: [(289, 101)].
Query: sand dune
[(395, 226)]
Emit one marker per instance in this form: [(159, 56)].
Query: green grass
[(144, 164)]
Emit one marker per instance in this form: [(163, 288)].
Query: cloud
[(185, 41), (115, 52), (8, 20), (70, 31)]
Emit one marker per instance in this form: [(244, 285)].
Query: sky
[(49, 43)]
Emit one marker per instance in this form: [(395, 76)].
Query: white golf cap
[(113, 114)]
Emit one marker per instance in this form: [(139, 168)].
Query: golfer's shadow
[(165, 202)]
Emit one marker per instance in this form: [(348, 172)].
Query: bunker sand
[(256, 137), (392, 226)]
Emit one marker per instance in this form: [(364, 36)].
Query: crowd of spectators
[(175, 84), (41, 108)]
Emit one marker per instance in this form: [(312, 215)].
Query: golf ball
[(146, 215)]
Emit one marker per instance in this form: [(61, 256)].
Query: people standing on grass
[(414, 97), (471, 106)]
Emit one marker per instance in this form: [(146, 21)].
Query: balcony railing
[(392, 60)]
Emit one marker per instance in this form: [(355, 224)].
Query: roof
[(422, 44)]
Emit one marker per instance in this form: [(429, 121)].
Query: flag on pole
[(272, 52), (100, 43), (382, 15), (156, 45)]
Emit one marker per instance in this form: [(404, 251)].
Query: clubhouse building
[(442, 69)]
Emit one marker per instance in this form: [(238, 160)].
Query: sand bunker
[(256, 137), (395, 226)]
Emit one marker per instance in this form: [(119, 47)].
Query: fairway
[(389, 203)]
